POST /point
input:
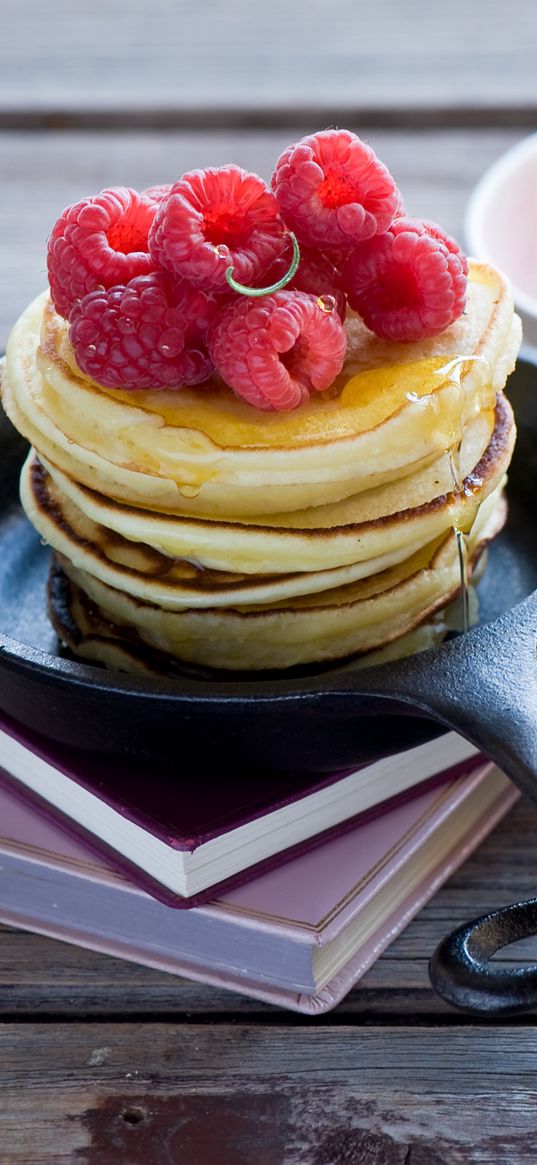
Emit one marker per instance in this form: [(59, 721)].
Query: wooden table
[(102, 1061)]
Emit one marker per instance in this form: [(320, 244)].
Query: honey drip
[(461, 536), (462, 550), (452, 371), (462, 541)]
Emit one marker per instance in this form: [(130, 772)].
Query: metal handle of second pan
[(461, 972)]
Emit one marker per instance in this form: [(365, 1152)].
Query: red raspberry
[(99, 242), (216, 218), (316, 275), (409, 283), (274, 351), (157, 193), (149, 334), (333, 191)]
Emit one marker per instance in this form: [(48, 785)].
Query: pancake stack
[(191, 529)]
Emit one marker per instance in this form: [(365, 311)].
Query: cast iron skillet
[(482, 684)]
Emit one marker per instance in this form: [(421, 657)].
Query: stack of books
[(284, 889)]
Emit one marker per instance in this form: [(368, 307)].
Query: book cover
[(300, 935), (183, 839)]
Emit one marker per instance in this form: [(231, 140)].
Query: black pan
[(483, 684)]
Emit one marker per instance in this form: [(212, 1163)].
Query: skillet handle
[(483, 685), (460, 969)]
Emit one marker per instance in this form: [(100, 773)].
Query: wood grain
[(239, 61), (250, 1095), (436, 170)]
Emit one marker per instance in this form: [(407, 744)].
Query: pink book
[(182, 839), (299, 936)]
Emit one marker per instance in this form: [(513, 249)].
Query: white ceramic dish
[(501, 226)]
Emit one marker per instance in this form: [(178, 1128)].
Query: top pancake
[(204, 452)]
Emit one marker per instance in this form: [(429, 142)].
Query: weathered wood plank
[(39, 976), (163, 1094), (44, 978), (239, 59), (43, 172)]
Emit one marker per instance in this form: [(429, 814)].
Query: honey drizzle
[(461, 536), (462, 542), (453, 371)]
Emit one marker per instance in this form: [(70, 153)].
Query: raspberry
[(157, 193), (215, 218), (148, 334), (99, 242), (408, 284), (274, 351), (333, 191), (316, 275)]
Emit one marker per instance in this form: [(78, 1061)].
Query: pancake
[(394, 408), (348, 620), (175, 583), (142, 571), (335, 535), (88, 635)]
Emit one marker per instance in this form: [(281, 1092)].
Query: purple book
[(300, 935), (182, 839)]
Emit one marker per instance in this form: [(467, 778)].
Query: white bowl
[(501, 226)]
